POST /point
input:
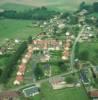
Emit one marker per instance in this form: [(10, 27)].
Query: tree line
[(90, 8), (41, 13), (12, 62)]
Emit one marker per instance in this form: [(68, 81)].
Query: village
[(59, 59)]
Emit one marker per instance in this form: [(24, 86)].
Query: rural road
[(72, 56), (42, 81)]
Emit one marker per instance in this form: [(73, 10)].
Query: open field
[(59, 5), (64, 94), (16, 7), (91, 48), (17, 29)]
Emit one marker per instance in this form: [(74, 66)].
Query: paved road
[(72, 56), (42, 81)]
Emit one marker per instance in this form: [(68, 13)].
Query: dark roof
[(31, 90)]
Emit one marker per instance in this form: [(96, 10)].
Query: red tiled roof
[(67, 44), (19, 78), (22, 69), (66, 53), (94, 94), (8, 94)]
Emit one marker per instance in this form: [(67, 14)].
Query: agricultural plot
[(17, 29)]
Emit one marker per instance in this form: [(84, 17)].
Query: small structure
[(19, 78), (61, 26), (9, 95), (57, 83), (94, 94), (45, 58), (31, 91)]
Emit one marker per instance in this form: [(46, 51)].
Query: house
[(67, 33), (19, 78), (24, 60), (9, 95), (61, 26), (66, 52), (57, 83), (46, 44), (21, 69), (31, 91), (94, 94)]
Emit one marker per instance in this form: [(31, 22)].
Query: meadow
[(19, 29), (63, 94), (92, 49)]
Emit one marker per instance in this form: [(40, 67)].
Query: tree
[(38, 72), (62, 66), (95, 6), (0, 72), (30, 39), (84, 55), (82, 5), (65, 15), (70, 79), (11, 65), (77, 50)]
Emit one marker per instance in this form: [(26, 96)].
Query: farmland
[(17, 29)]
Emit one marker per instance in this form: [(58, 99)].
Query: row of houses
[(22, 66), (66, 52), (47, 44)]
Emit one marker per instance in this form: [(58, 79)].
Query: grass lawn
[(47, 93), (17, 29)]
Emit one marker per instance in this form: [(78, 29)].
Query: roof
[(30, 91), (9, 94), (19, 78), (22, 68), (94, 93)]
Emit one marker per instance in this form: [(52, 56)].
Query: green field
[(17, 29), (16, 7), (64, 94), (59, 5), (91, 48)]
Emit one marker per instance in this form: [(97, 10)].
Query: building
[(31, 91), (46, 44), (9, 95), (94, 94)]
